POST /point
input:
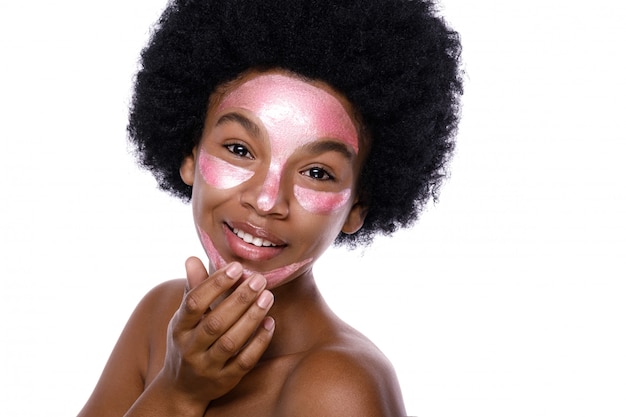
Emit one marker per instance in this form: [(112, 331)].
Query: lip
[(256, 231), (248, 251), (274, 277)]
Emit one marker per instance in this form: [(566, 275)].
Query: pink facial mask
[(294, 114), (320, 202), (221, 174), (274, 277)]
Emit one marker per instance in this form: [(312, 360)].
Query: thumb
[(196, 272)]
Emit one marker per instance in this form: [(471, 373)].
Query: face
[(274, 175)]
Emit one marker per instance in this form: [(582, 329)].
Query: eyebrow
[(322, 146), (317, 147), (246, 123)]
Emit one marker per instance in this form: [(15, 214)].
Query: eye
[(318, 173), (239, 150)]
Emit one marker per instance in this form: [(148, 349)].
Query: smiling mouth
[(253, 240), (274, 276), (254, 236)]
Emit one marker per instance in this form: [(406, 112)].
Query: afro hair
[(396, 61)]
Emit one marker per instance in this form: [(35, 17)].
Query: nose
[(267, 197)]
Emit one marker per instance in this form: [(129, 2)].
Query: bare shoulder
[(349, 377), (150, 319), (166, 296), (132, 361), (156, 308)]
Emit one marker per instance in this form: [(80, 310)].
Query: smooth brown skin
[(209, 346)]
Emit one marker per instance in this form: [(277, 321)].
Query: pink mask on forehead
[(294, 113)]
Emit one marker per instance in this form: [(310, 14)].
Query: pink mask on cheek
[(294, 114), (219, 173), (319, 202), (274, 277)]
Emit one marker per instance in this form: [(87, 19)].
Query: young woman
[(290, 125)]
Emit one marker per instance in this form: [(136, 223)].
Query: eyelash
[(238, 148), (325, 175), (235, 147)]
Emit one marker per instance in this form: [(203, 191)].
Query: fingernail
[(265, 299), (257, 282), (268, 323), (234, 270)]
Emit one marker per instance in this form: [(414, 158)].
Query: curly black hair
[(396, 61)]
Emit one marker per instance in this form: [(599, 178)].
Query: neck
[(301, 316)]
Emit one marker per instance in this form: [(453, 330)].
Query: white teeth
[(248, 238)]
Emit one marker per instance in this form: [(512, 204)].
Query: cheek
[(214, 256), (319, 202), (220, 174)]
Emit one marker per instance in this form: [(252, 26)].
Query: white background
[(506, 299)]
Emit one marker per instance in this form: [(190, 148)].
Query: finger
[(198, 300), (248, 357), (217, 322), (196, 272), (234, 339)]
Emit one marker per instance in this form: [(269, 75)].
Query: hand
[(210, 350)]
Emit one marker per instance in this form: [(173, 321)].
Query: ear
[(355, 218), (188, 168)]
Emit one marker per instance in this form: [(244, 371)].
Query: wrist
[(161, 399)]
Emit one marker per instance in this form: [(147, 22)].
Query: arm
[(123, 377), (208, 350)]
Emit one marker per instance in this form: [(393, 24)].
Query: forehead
[(282, 101)]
